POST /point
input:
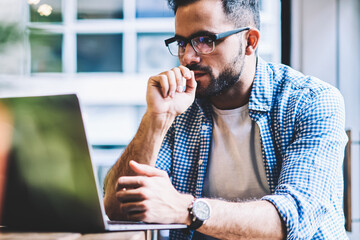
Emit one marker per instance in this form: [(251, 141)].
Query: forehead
[(202, 15)]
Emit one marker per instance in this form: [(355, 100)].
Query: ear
[(253, 36)]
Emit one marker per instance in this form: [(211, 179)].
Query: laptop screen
[(50, 179)]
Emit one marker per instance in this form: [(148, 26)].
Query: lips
[(199, 74)]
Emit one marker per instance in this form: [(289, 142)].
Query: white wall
[(326, 44)]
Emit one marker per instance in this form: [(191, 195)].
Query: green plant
[(9, 33)]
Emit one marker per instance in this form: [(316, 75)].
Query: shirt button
[(201, 162), (204, 128)]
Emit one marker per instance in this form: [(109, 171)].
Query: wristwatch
[(199, 212)]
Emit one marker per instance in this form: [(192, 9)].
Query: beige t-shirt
[(236, 168)]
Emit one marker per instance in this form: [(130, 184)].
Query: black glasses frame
[(213, 37)]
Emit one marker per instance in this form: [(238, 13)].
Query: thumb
[(145, 170)]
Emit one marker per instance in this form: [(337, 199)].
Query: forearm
[(143, 148), (246, 220)]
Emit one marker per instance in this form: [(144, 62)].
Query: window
[(269, 46), (37, 11), (99, 52), (92, 9), (46, 49), (110, 36), (152, 9)]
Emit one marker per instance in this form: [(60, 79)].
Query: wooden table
[(138, 235)]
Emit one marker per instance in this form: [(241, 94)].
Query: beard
[(226, 79)]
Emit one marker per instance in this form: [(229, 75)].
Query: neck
[(239, 94)]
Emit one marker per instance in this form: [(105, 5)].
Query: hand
[(165, 93), (151, 197)]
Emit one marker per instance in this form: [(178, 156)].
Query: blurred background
[(106, 50)]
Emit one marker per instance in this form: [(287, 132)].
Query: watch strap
[(195, 223)]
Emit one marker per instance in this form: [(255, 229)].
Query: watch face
[(201, 210)]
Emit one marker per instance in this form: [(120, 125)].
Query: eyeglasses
[(201, 44)]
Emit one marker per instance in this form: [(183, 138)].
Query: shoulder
[(278, 85), (286, 78), (292, 86)]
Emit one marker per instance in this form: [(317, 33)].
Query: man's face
[(221, 69)]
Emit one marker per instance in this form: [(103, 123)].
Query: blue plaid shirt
[(301, 122)]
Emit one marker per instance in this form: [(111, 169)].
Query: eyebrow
[(197, 34)]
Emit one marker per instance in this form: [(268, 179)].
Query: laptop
[(51, 183)]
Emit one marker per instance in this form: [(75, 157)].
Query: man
[(258, 154)]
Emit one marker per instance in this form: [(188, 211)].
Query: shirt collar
[(205, 106), (262, 89), (261, 92)]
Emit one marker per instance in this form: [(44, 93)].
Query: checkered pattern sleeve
[(165, 154), (309, 185)]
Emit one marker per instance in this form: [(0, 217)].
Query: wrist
[(184, 215), (159, 121), (146, 144)]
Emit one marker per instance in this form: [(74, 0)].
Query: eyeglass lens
[(202, 44)]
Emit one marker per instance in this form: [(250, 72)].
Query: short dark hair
[(242, 12)]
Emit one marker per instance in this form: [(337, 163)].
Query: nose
[(190, 56)]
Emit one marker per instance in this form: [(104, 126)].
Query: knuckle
[(176, 70), (145, 181), (170, 73), (163, 77), (154, 78), (145, 194), (141, 181), (144, 206), (142, 195)]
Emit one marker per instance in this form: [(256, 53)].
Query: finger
[(146, 170), (129, 182), (189, 78), (160, 81), (133, 207), (164, 85), (179, 79), (172, 82), (132, 195), (185, 72)]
